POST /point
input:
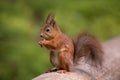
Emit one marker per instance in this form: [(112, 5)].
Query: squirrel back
[(89, 47)]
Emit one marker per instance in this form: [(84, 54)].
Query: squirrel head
[(50, 29)]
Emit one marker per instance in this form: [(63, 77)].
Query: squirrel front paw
[(41, 43)]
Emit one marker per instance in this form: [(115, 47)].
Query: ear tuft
[(50, 19)]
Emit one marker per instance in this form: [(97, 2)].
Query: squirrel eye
[(47, 30)]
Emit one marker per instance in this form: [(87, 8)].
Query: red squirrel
[(64, 52)]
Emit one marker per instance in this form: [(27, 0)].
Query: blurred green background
[(21, 58)]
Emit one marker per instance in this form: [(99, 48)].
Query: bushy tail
[(88, 46)]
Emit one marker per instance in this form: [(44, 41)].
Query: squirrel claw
[(61, 71), (52, 70), (40, 43)]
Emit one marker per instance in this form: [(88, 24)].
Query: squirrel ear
[(50, 19)]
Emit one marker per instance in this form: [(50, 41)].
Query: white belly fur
[(55, 59)]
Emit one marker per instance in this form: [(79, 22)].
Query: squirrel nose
[(41, 35)]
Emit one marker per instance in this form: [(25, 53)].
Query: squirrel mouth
[(44, 38)]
